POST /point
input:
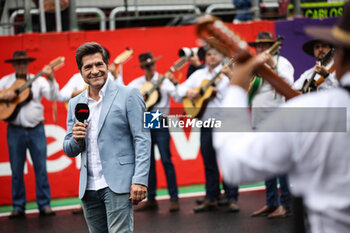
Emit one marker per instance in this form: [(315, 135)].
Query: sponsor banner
[(63, 172), (322, 10)]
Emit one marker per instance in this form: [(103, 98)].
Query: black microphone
[(82, 112)]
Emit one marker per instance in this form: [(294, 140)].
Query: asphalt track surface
[(161, 221)]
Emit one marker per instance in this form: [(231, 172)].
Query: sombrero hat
[(20, 55), (147, 58), (263, 37)]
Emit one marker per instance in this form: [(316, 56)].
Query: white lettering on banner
[(61, 163), (5, 169), (156, 152), (187, 149), (78, 161)]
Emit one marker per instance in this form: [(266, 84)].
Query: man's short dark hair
[(90, 48)]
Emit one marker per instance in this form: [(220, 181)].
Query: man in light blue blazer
[(114, 147)]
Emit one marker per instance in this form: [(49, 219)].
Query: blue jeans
[(18, 140), (272, 192), (212, 178), (161, 137), (106, 211)]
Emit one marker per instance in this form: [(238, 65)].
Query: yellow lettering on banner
[(340, 11), (323, 12), (333, 12), (308, 13)]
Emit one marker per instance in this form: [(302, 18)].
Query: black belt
[(22, 127)]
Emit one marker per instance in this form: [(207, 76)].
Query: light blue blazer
[(123, 144)]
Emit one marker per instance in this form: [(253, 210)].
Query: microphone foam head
[(81, 112)]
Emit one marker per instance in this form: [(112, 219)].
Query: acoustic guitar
[(230, 43), (197, 106), (122, 57), (10, 109), (311, 84), (150, 91)]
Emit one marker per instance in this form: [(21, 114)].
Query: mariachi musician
[(322, 75), (25, 130), (263, 99), (161, 137), (189, 89)]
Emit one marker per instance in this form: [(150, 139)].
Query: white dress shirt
[(75, 83), (32, 113), (318, 163), (167, 89), (266, 98), (96, 179), (195, 80), (330, 81)]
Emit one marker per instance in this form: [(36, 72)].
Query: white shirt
[(76, 82), (266, 98), (32, 113), (195, 80), (329, 82), (318, 164), (167, 89), (96, 179)]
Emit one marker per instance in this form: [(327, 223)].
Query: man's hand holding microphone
[(79, 129)]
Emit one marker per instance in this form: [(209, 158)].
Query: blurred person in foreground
[(314, 153)]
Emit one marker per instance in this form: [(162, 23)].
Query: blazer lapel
[(111, 92), (82, 97)]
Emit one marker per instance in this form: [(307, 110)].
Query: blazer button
[(85, 165)]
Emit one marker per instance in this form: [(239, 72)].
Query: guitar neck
[(157, 85), (180, 63), (279, 84), (215, 80), (211, 82), (210, 26), (54, 64), (29, 82)]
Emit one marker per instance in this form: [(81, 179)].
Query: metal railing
[(99, 12), (137, 9), (229, 7)]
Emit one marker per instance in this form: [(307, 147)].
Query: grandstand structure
[(112, 14), (19, 15)]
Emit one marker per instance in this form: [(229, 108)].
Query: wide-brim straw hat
[(147, 58), (20, 55), (263, 37)]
